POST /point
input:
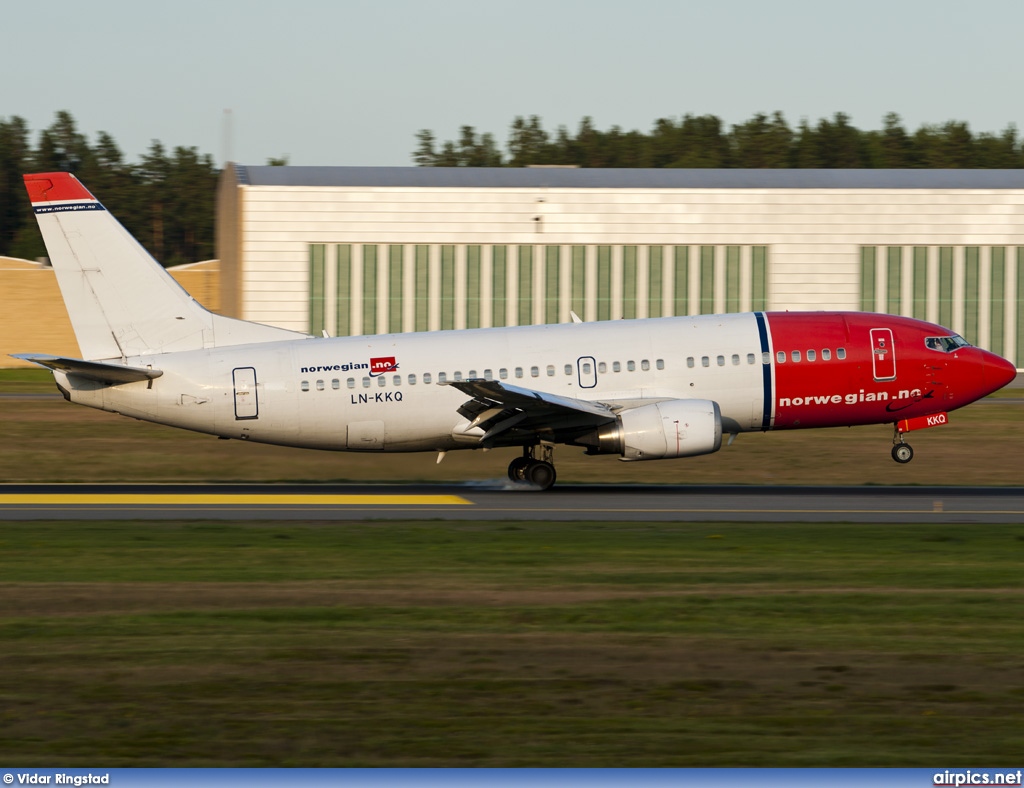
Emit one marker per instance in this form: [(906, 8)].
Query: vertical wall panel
[(369, 294), (629, 282), (552, 277), (421, 279), (473, 280), (655, 281), (343, 283), (972, 278), (681, 273), (395, 300), (893, 278), (997, 301), (707, 280), (945, 288), (920, 283), (499, 284), (317, 253), (732, 279), (759, 278), (604, 282)]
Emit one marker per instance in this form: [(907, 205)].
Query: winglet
[(55, 187)]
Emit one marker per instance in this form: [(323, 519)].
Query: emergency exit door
[(883, 354), (246, 402)]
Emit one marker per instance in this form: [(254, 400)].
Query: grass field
[(509, 644)]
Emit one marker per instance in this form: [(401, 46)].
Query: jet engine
[(661, 430)]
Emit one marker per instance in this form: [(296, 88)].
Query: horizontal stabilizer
[(109, 374)]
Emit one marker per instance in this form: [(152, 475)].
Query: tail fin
[(121, 302)]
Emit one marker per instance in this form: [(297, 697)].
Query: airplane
[(644, 389)]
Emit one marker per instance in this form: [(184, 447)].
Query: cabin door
[(883, 354), (586, 369), (246, 403)]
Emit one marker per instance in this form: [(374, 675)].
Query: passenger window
[(660, 363), (519, 372), (689, 362), (534, 372), (721, 361), (551, 370), (568, 369), (335, 384), (471, 375), (811, 355), (351, 383), (305, 385), (586, 367), (442, 377), (826, 354), (412, 380), (397, 380), (750, 358), (631, 366), (503, 373), (795, 355), (645, 365), (841, 353), (382, 382), (705, 361), (735, 359), (602, 367), (766, 357), (616, 366), (458, 377), (488, 374), (780, 357), (427, 378), (366, 383), (319, 385)]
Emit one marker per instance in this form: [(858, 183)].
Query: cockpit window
[(946, 344)]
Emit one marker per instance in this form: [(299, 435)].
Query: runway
[(499, 500)]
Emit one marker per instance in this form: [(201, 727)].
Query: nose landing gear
[(534, 470), (901, 450)]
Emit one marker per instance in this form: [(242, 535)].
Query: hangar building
[(368, 250)]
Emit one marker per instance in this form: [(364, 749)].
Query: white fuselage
[(386, 392)]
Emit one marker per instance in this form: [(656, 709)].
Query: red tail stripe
[(55, 186)]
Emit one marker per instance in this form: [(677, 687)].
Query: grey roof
[(585, 178)]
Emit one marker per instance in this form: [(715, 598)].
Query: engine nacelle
[(661, 430)]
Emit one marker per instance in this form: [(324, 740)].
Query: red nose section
[(997, 372)]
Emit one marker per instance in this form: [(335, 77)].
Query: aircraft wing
[(507, 413), (108, 374)]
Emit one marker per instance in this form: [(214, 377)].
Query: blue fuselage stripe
[(766, 370)]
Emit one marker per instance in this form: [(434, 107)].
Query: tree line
[(166, 200), (703, 141)]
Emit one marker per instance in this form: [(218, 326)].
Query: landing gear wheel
[(540, 474), (517, 468), (902, 453)]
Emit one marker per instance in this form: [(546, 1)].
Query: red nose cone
[(998, 372)]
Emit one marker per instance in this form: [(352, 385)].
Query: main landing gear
[(901, 450), (538, 471)]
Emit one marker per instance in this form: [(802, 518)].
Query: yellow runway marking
[(222, 499)]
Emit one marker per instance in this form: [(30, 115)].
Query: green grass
[(510, 644), (26, 381)]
